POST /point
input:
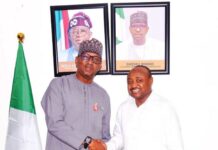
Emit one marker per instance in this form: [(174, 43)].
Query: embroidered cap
[(93, 45), (80, 19), (138, 17)]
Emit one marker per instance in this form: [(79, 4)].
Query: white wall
[(191, 86)]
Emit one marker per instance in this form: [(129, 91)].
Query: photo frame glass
[(72, 24), (140, 36)]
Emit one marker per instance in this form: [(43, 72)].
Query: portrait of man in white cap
[(140, 46)]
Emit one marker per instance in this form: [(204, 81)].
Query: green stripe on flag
[(21, 95), (120, 12), (120, 21), (118, 41)]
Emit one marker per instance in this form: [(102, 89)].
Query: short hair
[(143, 67)]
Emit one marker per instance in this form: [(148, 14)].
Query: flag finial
[(20, 37)]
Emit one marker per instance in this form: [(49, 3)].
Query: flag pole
[(23, 133)]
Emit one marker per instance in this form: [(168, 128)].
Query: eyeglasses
[(82, 31), (87, 57)]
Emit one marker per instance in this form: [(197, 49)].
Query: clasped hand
[(97, 145)]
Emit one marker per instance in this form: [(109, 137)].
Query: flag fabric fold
[(23, 133), (61, 23), (120, 21)]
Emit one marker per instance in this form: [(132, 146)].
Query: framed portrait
[(72, 24), (140, 36)]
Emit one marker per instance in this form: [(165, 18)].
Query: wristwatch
[(87, 141)]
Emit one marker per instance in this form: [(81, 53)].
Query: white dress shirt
[(152, 126)]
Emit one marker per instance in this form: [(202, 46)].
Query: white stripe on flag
[(22, 131)]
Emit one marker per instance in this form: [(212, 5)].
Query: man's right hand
[(97, 145)]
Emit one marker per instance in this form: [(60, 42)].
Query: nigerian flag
[(22, 127), (120, 21)]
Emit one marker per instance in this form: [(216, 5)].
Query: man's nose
[(133, 84), (90, 61), (137, 29)]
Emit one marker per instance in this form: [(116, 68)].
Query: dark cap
[(93, 45), (80, 19)]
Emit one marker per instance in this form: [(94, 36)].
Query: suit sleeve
[(106, 120), (53, 106)]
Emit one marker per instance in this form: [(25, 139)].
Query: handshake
[(97, 145)]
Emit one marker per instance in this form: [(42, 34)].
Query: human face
[(139, 84), (88, 65), (138, 32), (79, 34)]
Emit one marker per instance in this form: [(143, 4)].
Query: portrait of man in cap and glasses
[(75, 26), (79, 29), (140, 44)]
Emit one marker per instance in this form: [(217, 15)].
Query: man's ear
[(100, 66), (76, 60), (147, 29), (151, 81), (90, 35)]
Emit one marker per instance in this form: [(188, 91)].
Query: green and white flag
[(120, 21), (23, 131)]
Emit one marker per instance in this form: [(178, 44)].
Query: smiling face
[(139, 83)]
